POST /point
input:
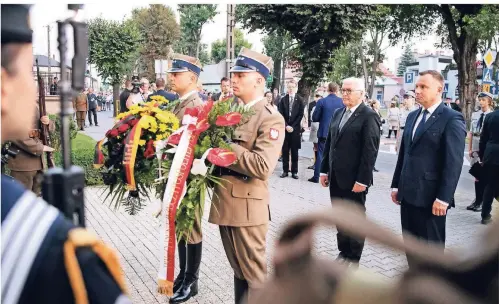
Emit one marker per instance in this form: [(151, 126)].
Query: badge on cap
[(274, 134)]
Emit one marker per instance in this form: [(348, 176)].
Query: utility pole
[(231, 23), (49, 68)]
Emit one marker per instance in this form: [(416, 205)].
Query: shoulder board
[(271, 109)]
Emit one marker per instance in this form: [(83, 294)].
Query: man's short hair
[(10, 52), (128, 83), (144, 80), (224, 79), (333, 87), (435, 74), (358, 82), (160, 83)]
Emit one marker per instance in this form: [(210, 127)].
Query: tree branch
[(451, 26)]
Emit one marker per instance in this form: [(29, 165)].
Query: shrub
[(83, 156), (55, 137)]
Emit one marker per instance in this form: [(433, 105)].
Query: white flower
[(189, 120), (199, 166)]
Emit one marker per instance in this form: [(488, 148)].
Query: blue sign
[(446, 87), (494, 90), (409, 77), (497, 77), (487, 76)]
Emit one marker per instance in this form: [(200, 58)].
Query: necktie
[(345, 118), (420, 127), (291, 100), (480, 122)]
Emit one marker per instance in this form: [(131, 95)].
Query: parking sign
[(409, 77)]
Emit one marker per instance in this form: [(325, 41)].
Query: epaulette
[(79, 237), (270, 108)]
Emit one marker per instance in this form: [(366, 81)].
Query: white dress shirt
[(431, 110), (352, 110), (250, 104), (188, 95)]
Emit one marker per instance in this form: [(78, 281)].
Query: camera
[(136, 84)]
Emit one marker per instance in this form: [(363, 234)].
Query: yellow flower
[(142, 142), (159, 137), (162, 127)]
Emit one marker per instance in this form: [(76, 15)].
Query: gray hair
[(358, 83)]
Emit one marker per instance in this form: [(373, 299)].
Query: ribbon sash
[(130, 153), (174, 192)]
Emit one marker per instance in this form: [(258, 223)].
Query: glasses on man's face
[(348, 91)]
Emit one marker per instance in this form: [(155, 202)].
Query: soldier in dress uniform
[(184, 76), (477, 118), (80, 105), (28, 166), (240, 206), (45, 258)]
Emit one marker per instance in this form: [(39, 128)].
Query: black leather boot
[(189, 287), (182, 256), (240, 289)]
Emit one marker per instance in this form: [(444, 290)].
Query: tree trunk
[(466, 66), (116, 97), (304, 88), (277, 75), (364, 65)]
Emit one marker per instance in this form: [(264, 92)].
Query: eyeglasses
[(348, 92)]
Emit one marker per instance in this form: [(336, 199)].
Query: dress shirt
[(431, 110), (352, 110), (250, 104), (291, 101), (187, 95)]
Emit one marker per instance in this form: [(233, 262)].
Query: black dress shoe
[(375, 170), (487, 220), (294, 175), (313, 180), (280, 159), (284, 174), (311, 167), (475, 206)]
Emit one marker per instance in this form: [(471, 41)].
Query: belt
[(35, 133), (476, 134), (402, 128), (220, 171)]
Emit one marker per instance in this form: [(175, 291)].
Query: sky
[(43, 15)]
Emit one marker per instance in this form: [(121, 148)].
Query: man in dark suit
[(160, 91), (292, 109), (323, 113), (225, 90), (349, 156), (489, 155), (429, 162)]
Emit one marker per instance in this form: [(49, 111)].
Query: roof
[(43, 61), (212, 73)]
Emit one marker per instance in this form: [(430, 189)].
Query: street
[(136, 237)]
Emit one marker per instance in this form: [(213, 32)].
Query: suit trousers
[(31, 180), (320, 151), (491, 187), (288, 146), (245, 250), (90, 112), (479, 188), (350, 248), (422, 224)]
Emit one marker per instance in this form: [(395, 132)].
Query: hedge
[(83, 155)]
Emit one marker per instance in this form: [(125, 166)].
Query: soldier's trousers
[(80, 119), (31, 180), (245, 250), (196, 235)]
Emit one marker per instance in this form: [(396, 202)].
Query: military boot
[(240, 289), (182, 257), (189, 286)]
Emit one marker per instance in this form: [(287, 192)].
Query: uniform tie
[(480, 122), (345, 118), (420, 127)]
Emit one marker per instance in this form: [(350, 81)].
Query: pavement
[(136, 237)]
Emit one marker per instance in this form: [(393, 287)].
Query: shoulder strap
[(79, 237), (24, 229)]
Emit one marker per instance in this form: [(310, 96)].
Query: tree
[(192, 19), (407, 58), (345, 62), (278, 45), (160, 30), (204, 56), (113, 47), (318, 29), (219, 47)]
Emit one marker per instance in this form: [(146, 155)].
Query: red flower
[(192, 112), (123, 128), (202, 125), (221, 157), (205, 109), (174, 139), (150, 150), (133, 122), (112, 133), (229, 119)]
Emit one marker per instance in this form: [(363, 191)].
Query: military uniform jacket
[(29, 151), (241, 201), (33, 256), (475, 129), (80, 102), (193, 100)]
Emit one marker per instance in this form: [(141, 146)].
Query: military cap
[(184, 63), (485, 94), (410, 94), (251, 61), (16, 26)]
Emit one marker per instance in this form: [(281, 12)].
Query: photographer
[(139, 93)]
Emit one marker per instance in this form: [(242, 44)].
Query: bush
[(83, 148), (55, 137)]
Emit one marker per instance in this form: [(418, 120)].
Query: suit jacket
[(169, 96), (191, 102), (324, 112), (429, 165), (294, 120), (489, 139), (350, 154), (242, 202)]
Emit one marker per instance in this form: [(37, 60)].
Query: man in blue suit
[(323, 113), (429, 162)]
